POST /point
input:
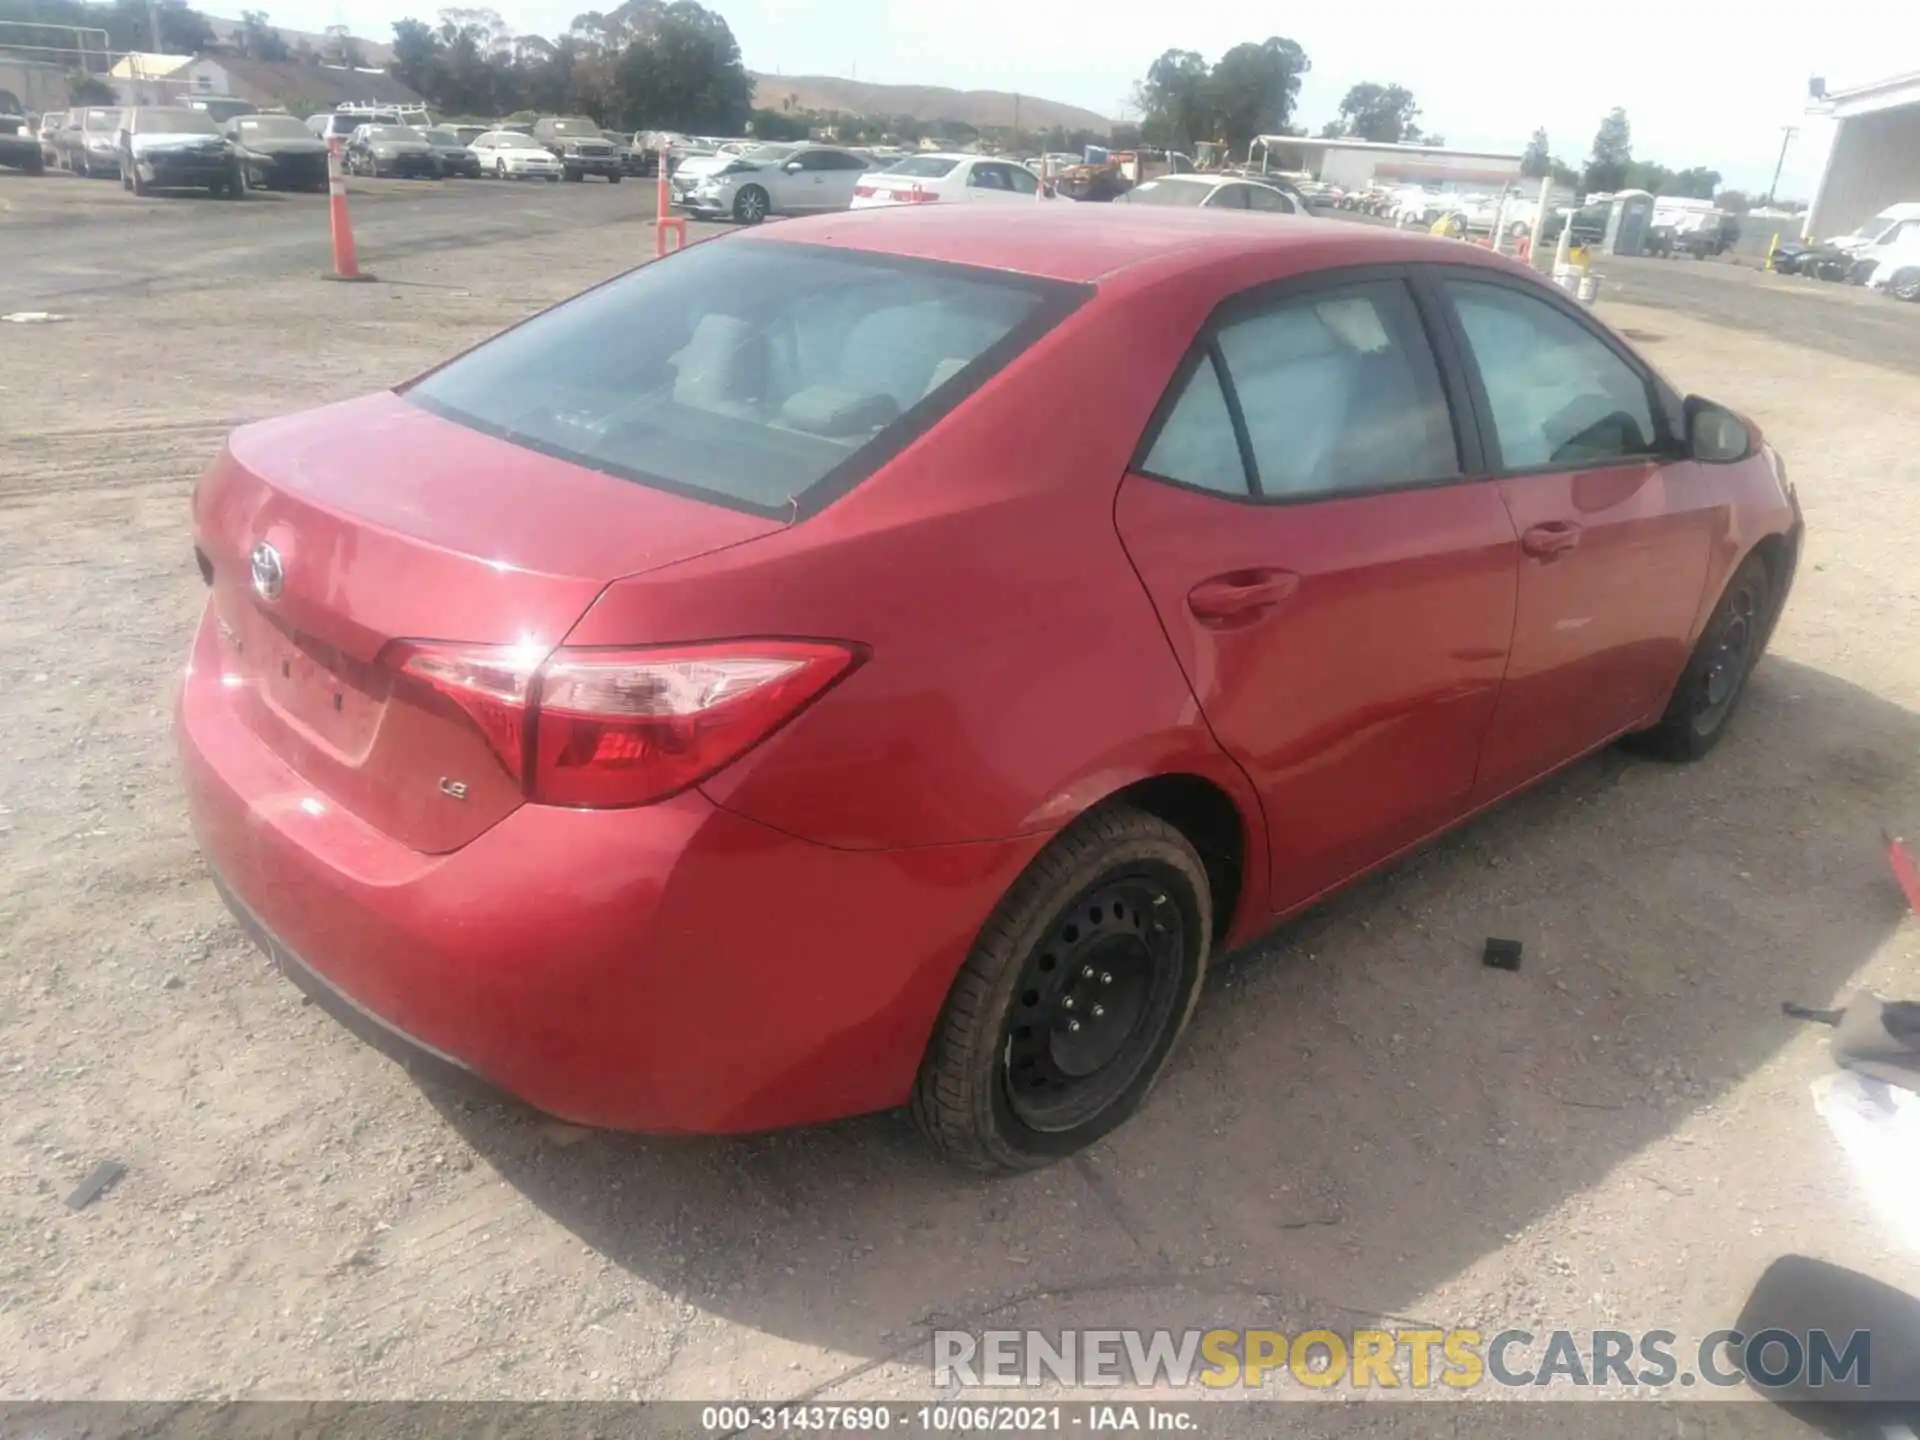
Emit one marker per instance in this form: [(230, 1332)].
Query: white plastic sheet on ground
[(1878, 1125)]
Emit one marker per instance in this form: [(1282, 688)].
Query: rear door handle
[(1554, 537), (1240, 596)]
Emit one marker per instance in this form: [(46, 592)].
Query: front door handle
[(1553, 537), (1240, 596)]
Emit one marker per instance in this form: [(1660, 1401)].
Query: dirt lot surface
[(1365, 1125), (1849, 321)]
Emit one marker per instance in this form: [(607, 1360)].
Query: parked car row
[(1882, 253)]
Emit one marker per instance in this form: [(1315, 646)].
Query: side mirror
[(792, 167), (1715, 435)]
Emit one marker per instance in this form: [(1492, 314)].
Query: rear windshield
[(393, 132), (275, 127), (174, 122), (764, 375), (923, 166)]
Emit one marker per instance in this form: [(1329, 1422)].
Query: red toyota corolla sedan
[(877, 660)]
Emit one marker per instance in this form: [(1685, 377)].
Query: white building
[(1355, 164), (144, 79), (1867, 142)]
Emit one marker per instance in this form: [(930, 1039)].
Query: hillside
[(372, 52), (923, 102)]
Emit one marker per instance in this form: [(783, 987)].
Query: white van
[(1898, 273), (1889, 226)]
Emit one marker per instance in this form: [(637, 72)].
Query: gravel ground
[(1365, 1124)]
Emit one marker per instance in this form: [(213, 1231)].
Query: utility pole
[(1016, 119), (153, 25), (1787, 132)]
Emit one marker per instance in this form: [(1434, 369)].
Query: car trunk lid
[(331, 535)]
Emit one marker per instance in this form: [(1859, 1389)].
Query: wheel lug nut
[(1098, 1011), (1086, 972), (1106, 977), (1067, 1004), (1073, 1025)]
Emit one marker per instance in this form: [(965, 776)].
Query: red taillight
[(628, 727), (605, 728), (917, 196), (599, 728), (865, 192)]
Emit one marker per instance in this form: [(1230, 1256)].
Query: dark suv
[(19, 143), (580, 147)]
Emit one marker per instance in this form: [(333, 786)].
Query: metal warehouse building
[(1355, 164), (1869, 140)]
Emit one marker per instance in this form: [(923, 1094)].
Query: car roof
[(1088, 242)]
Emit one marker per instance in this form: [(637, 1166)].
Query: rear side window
[(1559, 395), (765, 375), (1197, 444)]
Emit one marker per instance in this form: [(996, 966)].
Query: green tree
[(783, 125), (1648, 175), (85, 89), (1173, 100), (1612, 154), (1537, 163), (416, 57), (1378, 112), (258, 40), (1251, 91), (1698, 182), (685, 73), (1734, 202)]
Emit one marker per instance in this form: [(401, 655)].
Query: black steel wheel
[(1710, 688), (1071, 1001)]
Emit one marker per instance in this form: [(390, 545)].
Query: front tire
[(1711, 687), (1905, 285), (750, 206), (1076, 990)]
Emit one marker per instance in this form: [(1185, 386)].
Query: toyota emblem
[(268, 576)]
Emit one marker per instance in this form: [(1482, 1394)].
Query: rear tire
[(1905, 285), (140, 187), (1711, 687), (1070, 1003)]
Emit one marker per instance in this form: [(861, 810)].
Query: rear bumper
[(291, 171), (408, 167), (676, 968)]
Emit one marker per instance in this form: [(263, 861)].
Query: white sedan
[(1215, 192), (509, 155), (919, 179), (768, 180)]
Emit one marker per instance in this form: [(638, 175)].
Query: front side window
[(1558, 393), (748, 372)]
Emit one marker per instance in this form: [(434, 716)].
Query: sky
[(1704, 82)]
